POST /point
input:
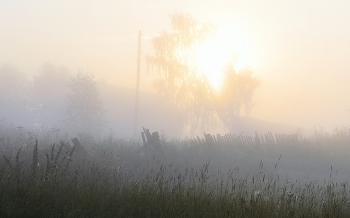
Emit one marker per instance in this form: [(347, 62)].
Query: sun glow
[(223, 47)]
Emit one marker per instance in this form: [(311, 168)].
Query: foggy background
[(299, 51)]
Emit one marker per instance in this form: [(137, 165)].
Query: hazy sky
[(300, 49)]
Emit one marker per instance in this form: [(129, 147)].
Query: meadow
[(43, 175)]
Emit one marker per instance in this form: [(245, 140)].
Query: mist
[(68, 70), (300, 58)]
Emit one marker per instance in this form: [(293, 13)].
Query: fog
[(68, 71), (298, 51), (299, 48)]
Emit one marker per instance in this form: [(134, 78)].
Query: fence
[(234, 139), (227, 139)]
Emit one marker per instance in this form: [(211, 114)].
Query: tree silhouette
[(49, 92), (84, 107), (178, 79), (13, 86), (14, 95), (237, 90), (51, 83), (189, 90)]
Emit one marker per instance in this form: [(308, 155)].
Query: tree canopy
[(84, 106), (14, 94), (190, 91)]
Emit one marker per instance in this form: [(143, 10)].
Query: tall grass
[(120, 178)]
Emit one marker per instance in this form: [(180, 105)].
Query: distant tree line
[(53, 97)]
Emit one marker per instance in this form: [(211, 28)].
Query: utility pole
[(137, 83)]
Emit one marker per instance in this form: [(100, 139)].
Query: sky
[(299, 49)]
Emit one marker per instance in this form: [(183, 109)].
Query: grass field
[(40, 176)]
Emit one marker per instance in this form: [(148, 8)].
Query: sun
[(221, 48)]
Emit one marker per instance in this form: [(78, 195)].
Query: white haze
[(301, 54), (301, 49)]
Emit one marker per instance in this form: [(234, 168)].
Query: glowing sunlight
[(223, 47)]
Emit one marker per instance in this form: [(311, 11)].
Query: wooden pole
[(137, 83)]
